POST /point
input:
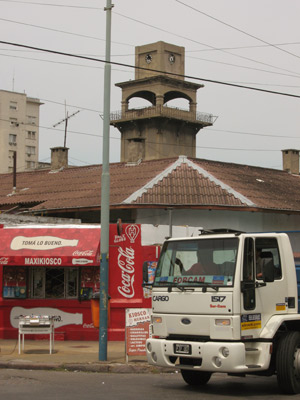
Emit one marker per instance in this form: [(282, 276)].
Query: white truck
[(227, 302)]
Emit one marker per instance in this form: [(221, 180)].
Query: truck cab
[(227, 302)]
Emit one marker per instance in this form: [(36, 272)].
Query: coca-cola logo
[(126, 265), (4, 260), (83, 253)]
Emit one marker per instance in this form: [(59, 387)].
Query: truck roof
[(223, 234)]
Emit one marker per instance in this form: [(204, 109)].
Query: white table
[(36, 325)]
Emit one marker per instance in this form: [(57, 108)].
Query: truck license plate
[(180, 348)]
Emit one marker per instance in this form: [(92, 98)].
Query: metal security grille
[(54, 283)]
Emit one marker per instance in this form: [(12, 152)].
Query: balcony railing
[(157, 111)]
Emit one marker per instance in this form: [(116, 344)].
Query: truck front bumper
[(229, 357)]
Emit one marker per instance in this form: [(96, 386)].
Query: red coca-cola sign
[(125, 262)]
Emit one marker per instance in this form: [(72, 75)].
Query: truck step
[(253, 366)]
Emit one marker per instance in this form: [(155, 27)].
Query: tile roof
[(178, 182)]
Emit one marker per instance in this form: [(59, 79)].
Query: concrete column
[(193, 108), (159, 103), (124, 105), (159, 99)]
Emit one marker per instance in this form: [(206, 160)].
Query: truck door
[(263, 291)]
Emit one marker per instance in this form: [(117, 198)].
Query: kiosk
[(54, 270)]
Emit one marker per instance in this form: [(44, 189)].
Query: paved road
[(46, 385)]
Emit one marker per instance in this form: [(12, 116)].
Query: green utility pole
[(104, 240)]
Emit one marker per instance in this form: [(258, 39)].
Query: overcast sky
[(254, 43)]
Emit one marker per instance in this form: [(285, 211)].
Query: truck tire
[(195, 378), (288, 363)]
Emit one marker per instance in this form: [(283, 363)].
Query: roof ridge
[(184, 160), (236, 164), (154, 181), (218, 182)]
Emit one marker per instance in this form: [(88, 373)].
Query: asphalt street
[(49, 385)]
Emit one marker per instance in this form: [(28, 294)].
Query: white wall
[(237, 220)]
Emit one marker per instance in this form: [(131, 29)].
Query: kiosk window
[(38, 283), (54, 283), (14, 282), (50, 283)]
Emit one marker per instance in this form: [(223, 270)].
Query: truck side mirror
[(145, 272)]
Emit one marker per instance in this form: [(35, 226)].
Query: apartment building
[(19, 131)]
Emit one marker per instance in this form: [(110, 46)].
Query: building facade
[(19, 131)]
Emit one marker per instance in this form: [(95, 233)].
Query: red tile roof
[(178, 182)]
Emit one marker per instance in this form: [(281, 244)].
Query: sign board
[(137, 330)]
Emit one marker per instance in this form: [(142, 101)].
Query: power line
[(163, 30), (154, 27), (266, 44), (253, 134), (126, 55), (251, 68), (202, 59), (153, 70), (267, 84), (51, 29), (210, 129), (97, 8), (245, 47), (176, 144), (217, 130), (237, 29), (61, 63), (60, 31), (120, 70), (51, 5), (196, 41), (76, 159)]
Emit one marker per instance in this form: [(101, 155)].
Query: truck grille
[(186, 338)]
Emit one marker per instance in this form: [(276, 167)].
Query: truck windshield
[(199, 261)]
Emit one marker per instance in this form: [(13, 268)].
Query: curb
[(93, 367)]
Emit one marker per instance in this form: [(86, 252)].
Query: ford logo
[(186, 321)]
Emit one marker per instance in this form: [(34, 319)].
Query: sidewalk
[(71, 356)]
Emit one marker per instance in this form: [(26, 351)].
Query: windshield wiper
[(183, 288), (205, 285), (190, 287)]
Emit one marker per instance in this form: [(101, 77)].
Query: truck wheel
[(288, 363), (195, 378)]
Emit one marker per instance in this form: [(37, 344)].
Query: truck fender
[(275, 322)]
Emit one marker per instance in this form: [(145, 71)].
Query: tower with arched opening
[(159, 130)]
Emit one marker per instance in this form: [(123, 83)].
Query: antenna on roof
[(65, 120)]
